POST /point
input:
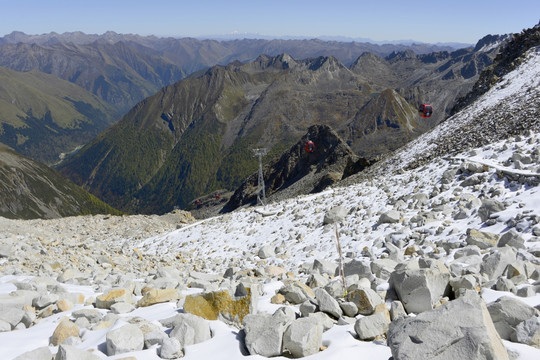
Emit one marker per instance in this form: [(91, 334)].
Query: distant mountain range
[(241, 36), (196, 135), (194, 109), (83, 38), (120, 70)]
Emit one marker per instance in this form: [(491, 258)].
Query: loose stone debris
[(419, 271)]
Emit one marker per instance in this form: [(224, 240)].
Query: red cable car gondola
[(310, 146), (425, 110)]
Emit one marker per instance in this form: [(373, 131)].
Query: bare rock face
[(299, 171)]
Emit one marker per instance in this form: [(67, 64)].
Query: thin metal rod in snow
[(261, 196), (341, 272)]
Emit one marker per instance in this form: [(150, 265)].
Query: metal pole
[(261, 196)]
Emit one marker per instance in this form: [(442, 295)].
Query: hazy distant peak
[(280, 62), (401, 55), (329, 62)]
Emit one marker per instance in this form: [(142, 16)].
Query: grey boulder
[(528, 332), (459, 329), (264, 332), (124, 339), (190, 329), (420, 285), (507, 313), (69, 352), (372, 326), (41, 353), (335, 215), (303, 337), (327, 303)]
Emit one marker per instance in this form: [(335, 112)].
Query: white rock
[(369, 327), (69, 352), (171, 349), (190, 329), (303, 337), (124, 339)]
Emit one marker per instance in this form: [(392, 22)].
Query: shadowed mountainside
[(29, 190)]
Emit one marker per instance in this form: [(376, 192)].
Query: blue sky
[(421, 20)]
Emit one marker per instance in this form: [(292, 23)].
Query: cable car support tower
[(261, 196)]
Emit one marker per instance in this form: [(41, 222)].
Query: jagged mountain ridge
[(125, 68), (486, 115), (346, 51), (29, 190), (195, 136), (506, 60)]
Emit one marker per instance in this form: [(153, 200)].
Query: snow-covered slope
[(297, 226)]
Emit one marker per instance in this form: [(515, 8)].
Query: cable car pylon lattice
[(261, 196)]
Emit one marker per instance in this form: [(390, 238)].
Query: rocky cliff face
[(299, 171), (510, 56)]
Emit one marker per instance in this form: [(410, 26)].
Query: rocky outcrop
[(298, 171)]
